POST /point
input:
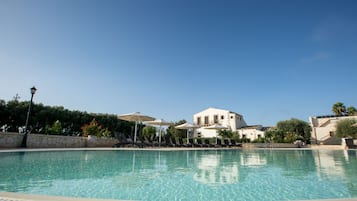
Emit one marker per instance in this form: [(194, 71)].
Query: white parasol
[(159, 122), (186, 126), (216, 127), (136, 117)]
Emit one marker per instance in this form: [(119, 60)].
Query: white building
[(324, 127), (233, 121), (251, 132)]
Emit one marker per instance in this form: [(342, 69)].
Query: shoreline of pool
[(313, 147), (10, 196)]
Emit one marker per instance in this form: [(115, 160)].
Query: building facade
[(213, 116), (324, 127), (252, 132)]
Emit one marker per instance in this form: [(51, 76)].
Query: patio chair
[(350, 144)]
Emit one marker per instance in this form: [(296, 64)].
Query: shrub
[(54, 129), (93, 128)]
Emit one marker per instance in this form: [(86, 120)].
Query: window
[(231, 117), (206, 120), (215, 119), (199, 135), (332, 133), (222, 117), (198, 120)]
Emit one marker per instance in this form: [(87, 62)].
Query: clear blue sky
[(267, 60)]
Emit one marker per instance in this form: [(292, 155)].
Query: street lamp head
[(33, 90)]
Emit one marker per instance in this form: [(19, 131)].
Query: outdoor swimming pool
[(183, 175)]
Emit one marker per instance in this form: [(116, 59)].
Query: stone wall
[(10, 140), (14, 140)]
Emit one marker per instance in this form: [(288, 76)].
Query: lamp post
[(24, 139)]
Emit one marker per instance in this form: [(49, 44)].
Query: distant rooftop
[(329, 116)]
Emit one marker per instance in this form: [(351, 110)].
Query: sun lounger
[(199, 143), (168, 142), (350, 144), (235, 144), (207, 144), (181, 144), (173, 141), (227, 143), (144, 142), (219, 143), (190, 143)]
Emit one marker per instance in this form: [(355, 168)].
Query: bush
[(93, 128), (344, 128), (55, 129)]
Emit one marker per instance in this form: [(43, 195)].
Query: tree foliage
[(173, 132), (289, 131), (149, 132), (344, 128), (351, 111), (54, 129), (225, 133), (43, 118), (338, 108)]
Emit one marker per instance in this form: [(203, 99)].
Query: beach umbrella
[(135, 117), (159, 122), (216, 127), (186, 126)]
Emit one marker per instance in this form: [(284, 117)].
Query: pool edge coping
[(11, 196)]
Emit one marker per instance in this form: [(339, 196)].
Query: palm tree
[(339, 108), (351, 111)]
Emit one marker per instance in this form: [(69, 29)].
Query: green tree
[(225, 133), (149, 132), (294, 129), (172, 131), (351, 111), (339, 108), (344, 128), (13, 115), (235, 136), (54, 129), (274, 135)]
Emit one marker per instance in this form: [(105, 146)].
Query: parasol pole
[(136, 129)]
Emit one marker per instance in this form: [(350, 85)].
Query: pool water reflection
[(183, 175)]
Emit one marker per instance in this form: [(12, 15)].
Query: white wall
[(231, 120), (251, 133), (323, 127)]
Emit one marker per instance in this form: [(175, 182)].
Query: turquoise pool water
[(183, 175)]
